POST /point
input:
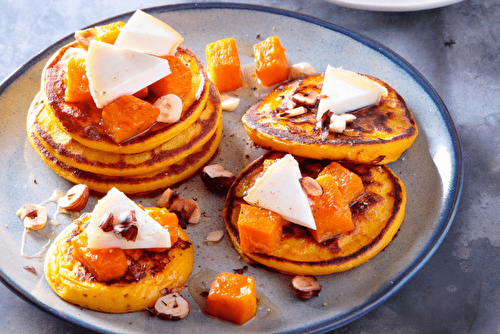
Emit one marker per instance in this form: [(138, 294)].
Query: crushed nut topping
[(107, 222), (305, 287), (126, 226), (172, 307), (76, 198), (311, 186), (216, 178), (34, 216)]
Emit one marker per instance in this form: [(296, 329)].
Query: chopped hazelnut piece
[(229, 103), (305, 287), (216, 178), (307, 99), (34, 216), (294, 112), (170, 106), (107, 222), (127, 226), (187, 208), (172, 307), (215, 236), (301, 69), (76, 198), (311, 186), (167, 198)]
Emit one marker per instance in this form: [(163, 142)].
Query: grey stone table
[(457, 48)]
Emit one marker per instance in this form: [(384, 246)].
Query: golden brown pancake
[(81, 120), (136, 290), (133, 186), (377, 216), (72, 153), (378, 135)]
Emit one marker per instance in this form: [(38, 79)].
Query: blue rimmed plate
[(432, 170)]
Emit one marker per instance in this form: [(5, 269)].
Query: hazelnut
[(127, 226), (305, 287), (167, 198), (75, 199), (187, 208), (294, 112), (172, 307), (107, 222), (34, 216), (229, 103), (216, 178), (170, 106), (215, 236), (301, 69), (307, 99), (311, 186)]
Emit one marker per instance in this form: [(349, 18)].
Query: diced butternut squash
[(233, 298), (77, 83), (259, 229), (109, 32), (167, 219), (223, 65), (178, 82), (105, 33), (272, 63), (331, 211), (128, 116), (104, 264), (350, 184), (143, 93)]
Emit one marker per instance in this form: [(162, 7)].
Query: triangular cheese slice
[(145, 33), (150, 233), (345, 91), (114, 71), (279, 190)]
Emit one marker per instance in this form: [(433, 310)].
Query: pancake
[(72, 153), (73, 282), (378, 135), (133, 185), (377, 216), (81, 120)]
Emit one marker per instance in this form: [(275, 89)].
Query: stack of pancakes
[(68, 136)]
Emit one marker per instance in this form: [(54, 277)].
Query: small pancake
[(69, 151), (378, 135), (133, 185), (81, 120), (73, 283), (377, 216)]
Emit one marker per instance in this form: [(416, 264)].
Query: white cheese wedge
[(279, 190), (150, 233), (145, 33), (114, 71), (345, 91)]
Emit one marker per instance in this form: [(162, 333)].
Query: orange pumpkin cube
[(128, 116), (233, 298), (178, 82), (167, 219), (77, 83), (331, 211), (109, 32), (223, 65), (259, 229), (350, 184), (272, 63), (104, 264)]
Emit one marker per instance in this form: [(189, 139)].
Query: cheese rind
[(114, 71), (145, 33), (279, 190), (150, 233), (345, 91)]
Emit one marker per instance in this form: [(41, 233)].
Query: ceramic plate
[(394, 5), (431, 170)]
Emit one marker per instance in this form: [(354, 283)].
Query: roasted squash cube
[(128, 116), (223, 65), (233, 298), (259, 229), (350, 184), (331, 211), (272, 63), (77, 83), (178, 82)]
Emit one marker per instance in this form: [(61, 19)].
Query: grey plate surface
[(431, 169)]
